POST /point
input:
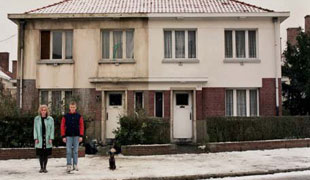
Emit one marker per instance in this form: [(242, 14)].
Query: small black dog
[(112, 159)]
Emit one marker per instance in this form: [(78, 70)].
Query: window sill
[(242, 60), (186, 61), (56, 61), (117, 61)]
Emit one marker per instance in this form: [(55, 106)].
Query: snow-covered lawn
[(96, 167)]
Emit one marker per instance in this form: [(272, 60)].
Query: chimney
[(292, 33), (307, 24), (4, 61), (14, 69)]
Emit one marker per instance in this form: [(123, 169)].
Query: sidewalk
[(181, 166)]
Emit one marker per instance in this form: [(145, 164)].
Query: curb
[(208, 176)]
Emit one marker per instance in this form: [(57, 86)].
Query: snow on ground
[(96, 167)]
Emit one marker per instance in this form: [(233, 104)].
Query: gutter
[(281, 15), (22, 24), (277, 58)]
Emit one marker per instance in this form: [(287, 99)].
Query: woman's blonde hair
[(41, 107)]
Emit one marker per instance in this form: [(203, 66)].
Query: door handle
[(107, 116), (190, 116)]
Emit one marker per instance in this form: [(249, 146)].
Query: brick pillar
[(292, 33), (151, 103), (167, 104), (199, 105), (30, 95), (4, 61), (307, 24), (14, 69), (267, 97), (213, 102), (130, 102)]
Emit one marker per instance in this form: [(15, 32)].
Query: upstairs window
[(118, 44), (240, 44), (179, 44), (56, 44)]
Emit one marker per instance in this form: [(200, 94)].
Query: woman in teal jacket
[(43, 134)]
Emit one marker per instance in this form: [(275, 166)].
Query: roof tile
[(148, 6)]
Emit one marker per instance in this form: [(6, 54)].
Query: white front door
[(182, 121), (115, 109)]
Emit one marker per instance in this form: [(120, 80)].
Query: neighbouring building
[(182, 60), (8, 78)]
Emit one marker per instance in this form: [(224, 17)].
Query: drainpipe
[(277, 58), (21, 40)]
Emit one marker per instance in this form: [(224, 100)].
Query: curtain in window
[(105, 44), (168, 44), (229, 103), (179, 44), (240, 44), (69, 44), (253, 102), (159, 104), (252, 44), (191, 44), (241, 102), (57, 45), (44, 97), (56, 102), (228, 44), (129, 44), (117, 45)]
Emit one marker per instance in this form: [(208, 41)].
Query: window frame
[(111, 59), (63, 59), (186, 58), (135, 100), (247, 58), (248, 105)]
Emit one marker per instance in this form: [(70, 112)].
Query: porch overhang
[(149, 80)]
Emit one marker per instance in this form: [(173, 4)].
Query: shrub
[(142, 130), (224, 129)]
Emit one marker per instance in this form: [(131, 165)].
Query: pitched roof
[(148, 6)]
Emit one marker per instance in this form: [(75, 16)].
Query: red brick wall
[(307, 24), (167, 104), (199, 105), (130, 102), (151, 103), (14, 69), (4, 61), (292, 33), (139, 150), (267, 97), (213, 102), (27, 153)]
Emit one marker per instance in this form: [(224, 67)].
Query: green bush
[(142, 130), (225, 129)]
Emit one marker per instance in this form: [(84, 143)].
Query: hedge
[(225, 129), (17, 131)]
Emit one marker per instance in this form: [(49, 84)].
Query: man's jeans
[(72, 141)]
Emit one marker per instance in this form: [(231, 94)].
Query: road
[(300, 175)]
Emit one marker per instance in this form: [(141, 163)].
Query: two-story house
[(183, 60)]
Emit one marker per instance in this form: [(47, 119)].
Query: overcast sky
[(8, 30)]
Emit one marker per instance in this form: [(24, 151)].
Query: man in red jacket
[(72, 131)]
